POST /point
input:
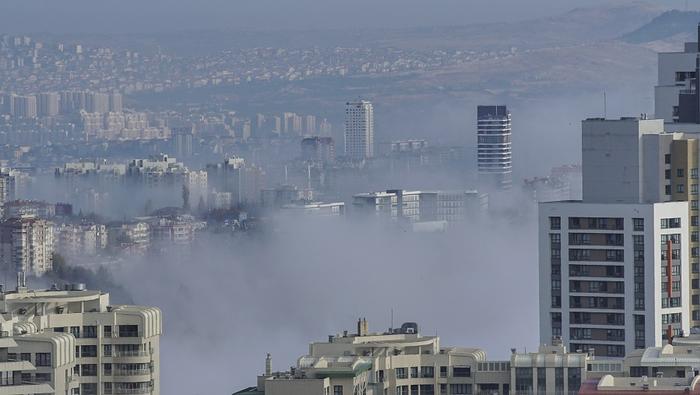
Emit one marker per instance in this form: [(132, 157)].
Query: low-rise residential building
[(73, 341), (314, 208), (401, 361), (421, 206), (132, 237), (80, 240)]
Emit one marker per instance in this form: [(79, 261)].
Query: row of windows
[(597, 223), (427, 372), (40, 358)]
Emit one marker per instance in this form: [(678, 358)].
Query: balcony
[(125, 391), (128, 353)]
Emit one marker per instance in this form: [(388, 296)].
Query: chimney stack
[(268, 365)]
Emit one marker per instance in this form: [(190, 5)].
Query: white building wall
[(612, 158), (652, 214)]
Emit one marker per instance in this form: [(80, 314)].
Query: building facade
[(26, 245), (604, 274), (494, 147), (359, 130), (73, 341)]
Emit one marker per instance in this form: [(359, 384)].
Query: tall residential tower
[(359, 130), (494, 146)]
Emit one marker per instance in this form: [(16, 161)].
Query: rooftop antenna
[(605, 105), (391, 324)]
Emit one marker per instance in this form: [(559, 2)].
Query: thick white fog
[(228, 303)]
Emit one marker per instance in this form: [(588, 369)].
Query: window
[(42, 377), (427, 372), (401, 373), (693, 204), (427, 389), (463, 371), (414, 372), (460, 389), (88, 389), (667, 189), (694, 189), (90, 331), (667, 174), (680, 188), (128, 330), (694, 220), (680, 173), (88, 370), (670, 223), (107, 350), (541, 381), (43, 359), (25, 356), (107, 329), (694, 173), (667, 159), (443, 371), (75, 331), (88, 351), (107, 369), (638, 224), (554, 223), (523, 380)]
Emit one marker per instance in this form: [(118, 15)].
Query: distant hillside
[(664, 26)]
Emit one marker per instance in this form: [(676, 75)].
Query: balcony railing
[(131, 372), (129, 353)]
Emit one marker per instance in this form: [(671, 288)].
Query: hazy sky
[(161, 15)]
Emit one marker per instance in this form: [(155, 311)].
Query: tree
[(185, 198), (201, 207)]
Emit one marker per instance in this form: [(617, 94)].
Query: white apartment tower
[(604, 274), (494, 156), (359, 130), (616, 269)]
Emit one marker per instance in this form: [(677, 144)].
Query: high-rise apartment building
[(26, 245), (494, 155), (24, 106), (97, 102), (614, 276), (48, 104), (677, 92), (7, 185), (616, 167), (318, 149), (235, 176), (115, 102), (359, 130)]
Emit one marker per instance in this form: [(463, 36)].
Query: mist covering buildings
[(245, 175)]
